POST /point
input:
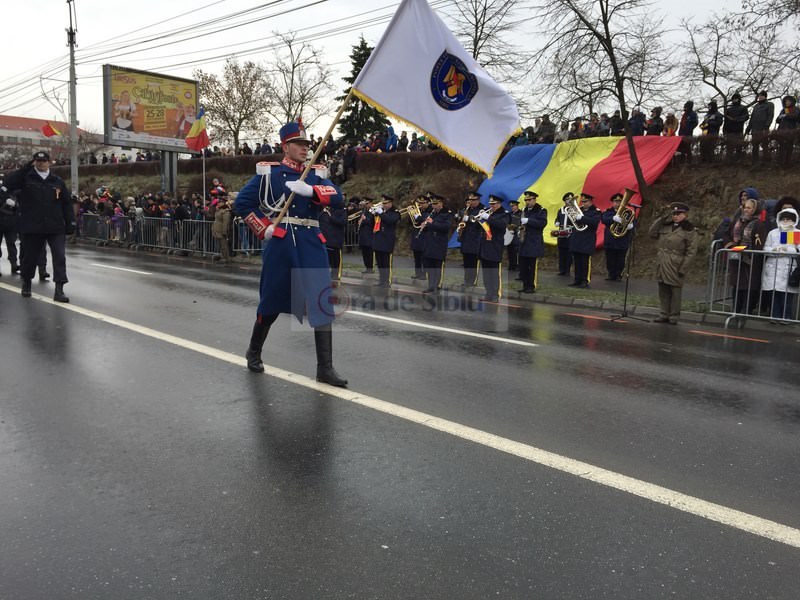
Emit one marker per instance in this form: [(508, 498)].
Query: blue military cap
[(294, 132)]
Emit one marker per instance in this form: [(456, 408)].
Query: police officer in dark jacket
[(436, 228), (384, 236), (8, 225), (491, 248), (582, 243), (616, 248), (45, 216), (365, 224), (332, 222), (470, 237), (418, 235), (531, 246)]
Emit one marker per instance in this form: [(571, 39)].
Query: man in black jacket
[(45, 216), (8, 225), (494, 222), (736, 116), (760, 121), (436, 228), (583, 241)]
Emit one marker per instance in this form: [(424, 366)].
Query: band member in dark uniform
[(332, 222), (295, 274), (512, 249), (582, 243), (365, 224), (562, 232), (45, 216), (615, 247), (418, 237), (494, 222), (531, 245), (384, 235), (470, 237), (437, 234)]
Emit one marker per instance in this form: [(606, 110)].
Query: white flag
[(420, 73)]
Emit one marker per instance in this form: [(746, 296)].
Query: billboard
[(147, 110)]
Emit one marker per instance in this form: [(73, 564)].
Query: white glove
[(579, 218), (268, 233), (483, 215), (524, 220), (630, 226), (300, 188), (465, 218), (378, 210), (10, 202), (616, 219)]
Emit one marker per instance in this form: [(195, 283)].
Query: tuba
[(626, 213), (573, 212)]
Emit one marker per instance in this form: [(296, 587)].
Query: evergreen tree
[(359, 120)]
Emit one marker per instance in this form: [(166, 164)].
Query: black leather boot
[(26, 288), (59, 296), (14, 268), (43, 275), (253, 355), (323, 338)]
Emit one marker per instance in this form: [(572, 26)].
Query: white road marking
[(711, 511), (484, 336), (120, 269)]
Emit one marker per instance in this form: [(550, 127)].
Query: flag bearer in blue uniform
[(295, 275)]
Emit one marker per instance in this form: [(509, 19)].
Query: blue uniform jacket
[(472, 235), (45, 205), (584, 242), (383, 240), (609, 241), (332, 223), (295, 276), (417, 237), (492, 250), (533, 244), (437, 235), (365, 229)]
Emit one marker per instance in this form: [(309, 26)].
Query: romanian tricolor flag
[(598, 166), (49, 131), (790, 237), (197, 139)]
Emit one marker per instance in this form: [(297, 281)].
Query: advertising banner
[(147, 110)]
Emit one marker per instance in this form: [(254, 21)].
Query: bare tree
[(300, 81), (611, 46), (238, 103), (728, 58), (485, 28)]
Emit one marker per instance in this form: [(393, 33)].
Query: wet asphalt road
[(135, 467)]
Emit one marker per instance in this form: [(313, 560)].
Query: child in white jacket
[(775, 276)]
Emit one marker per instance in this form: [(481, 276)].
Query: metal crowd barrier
[(150, 232), (740, 288)]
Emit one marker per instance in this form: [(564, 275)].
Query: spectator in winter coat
[(760, 122), (777, 267), (710, 128), (686, 129), (655, 124), (736, 116), (787, 121)]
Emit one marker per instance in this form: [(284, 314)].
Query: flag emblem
[(452, 85)]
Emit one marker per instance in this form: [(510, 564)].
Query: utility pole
[(73, 109)]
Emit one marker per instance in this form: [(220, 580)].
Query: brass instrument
[(413, 211), (573, 212), (624, 212), (461, 223)]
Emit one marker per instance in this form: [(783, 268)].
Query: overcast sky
[(36, 42)]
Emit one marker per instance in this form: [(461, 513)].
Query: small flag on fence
[(790, 237), (49, 131), (738, 248)]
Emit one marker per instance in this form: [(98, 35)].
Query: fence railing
[(753, 284)]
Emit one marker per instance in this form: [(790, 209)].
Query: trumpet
[(573, 213), (624, 212)]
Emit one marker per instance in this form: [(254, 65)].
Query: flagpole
[(314, 158)]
